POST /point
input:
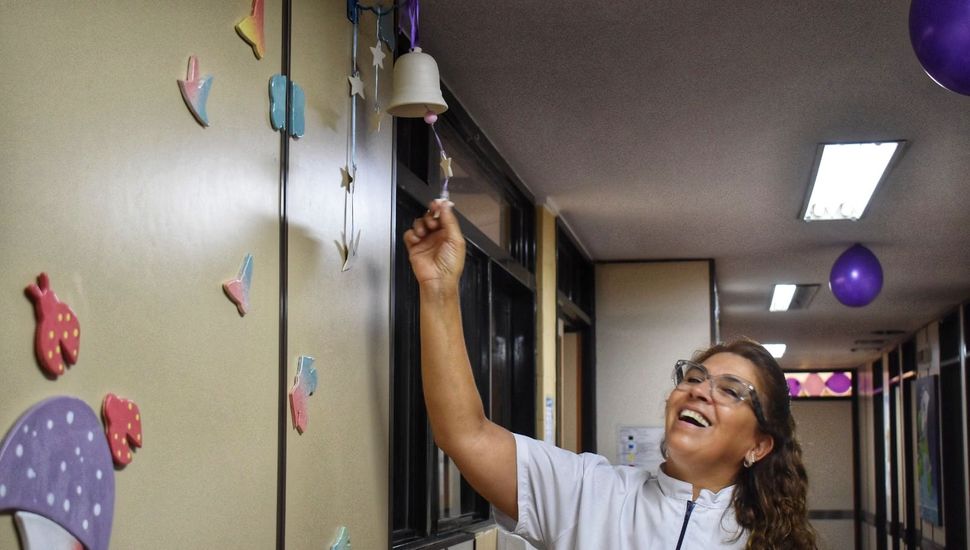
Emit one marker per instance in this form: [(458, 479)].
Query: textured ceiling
[(687, 129)]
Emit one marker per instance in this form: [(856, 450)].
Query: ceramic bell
[(416, 86)]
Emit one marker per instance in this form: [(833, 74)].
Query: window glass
[(819, 384), (449, 488), (473, 190)]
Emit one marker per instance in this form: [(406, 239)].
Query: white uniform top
[(581, 501)]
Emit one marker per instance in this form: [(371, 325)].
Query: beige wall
[(138, 215), (337, 472), (648, 315), (825, 433), (546, 316)]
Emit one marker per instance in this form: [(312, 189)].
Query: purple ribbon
[(413, 8)]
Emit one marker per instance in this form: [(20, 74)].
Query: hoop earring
[(748, 461)]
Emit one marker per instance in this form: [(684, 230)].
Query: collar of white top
[(681, 490)]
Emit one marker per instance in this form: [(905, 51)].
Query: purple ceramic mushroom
[(55, 463)]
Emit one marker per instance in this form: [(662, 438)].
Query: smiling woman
[(733, 476), (770, 491)]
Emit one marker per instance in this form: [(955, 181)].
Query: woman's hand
[(436, 248)]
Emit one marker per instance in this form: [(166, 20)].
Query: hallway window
[(817, 384)]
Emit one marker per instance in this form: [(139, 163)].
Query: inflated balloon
[(940, 33), (856, 277)]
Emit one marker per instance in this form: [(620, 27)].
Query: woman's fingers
[(438, 217), (410, 238), (443, 216), (419, 227), (428, 223)]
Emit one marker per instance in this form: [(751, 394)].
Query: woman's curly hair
[(770, 496)]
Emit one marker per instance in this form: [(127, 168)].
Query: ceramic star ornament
[(378, 54), (445, 165), (376, 118), (356, 86), (348, 250), (347, 178)]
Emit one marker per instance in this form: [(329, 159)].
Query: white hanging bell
[(416, 86)]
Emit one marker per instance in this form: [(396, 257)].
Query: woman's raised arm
[(482, 450)]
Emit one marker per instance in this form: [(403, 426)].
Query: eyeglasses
[(726, 389)]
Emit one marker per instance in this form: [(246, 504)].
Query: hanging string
[(352, 168), (377, 70), (441, 149), (354, 71)]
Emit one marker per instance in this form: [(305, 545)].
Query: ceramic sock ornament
[(122, 420), (57, 339), (304, 384), (195, 91), (250, 29), (342, 541), (277, 107), (238, 289)]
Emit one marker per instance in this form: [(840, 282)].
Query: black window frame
[(504, 276), (952, 429)]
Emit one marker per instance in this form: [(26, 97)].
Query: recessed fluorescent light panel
[(787, 297), (781, 297), (776, 350), (845, 177)]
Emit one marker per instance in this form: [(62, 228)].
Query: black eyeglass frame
[(752, 393)]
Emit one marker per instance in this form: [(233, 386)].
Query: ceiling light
[(787, 297), (844, 177), (776, 350), (781, 298)]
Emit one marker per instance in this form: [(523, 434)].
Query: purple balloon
[(940, 33), (839, 382), (856, 277)]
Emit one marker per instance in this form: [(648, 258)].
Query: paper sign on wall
[(549, 423), (639, 446)]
